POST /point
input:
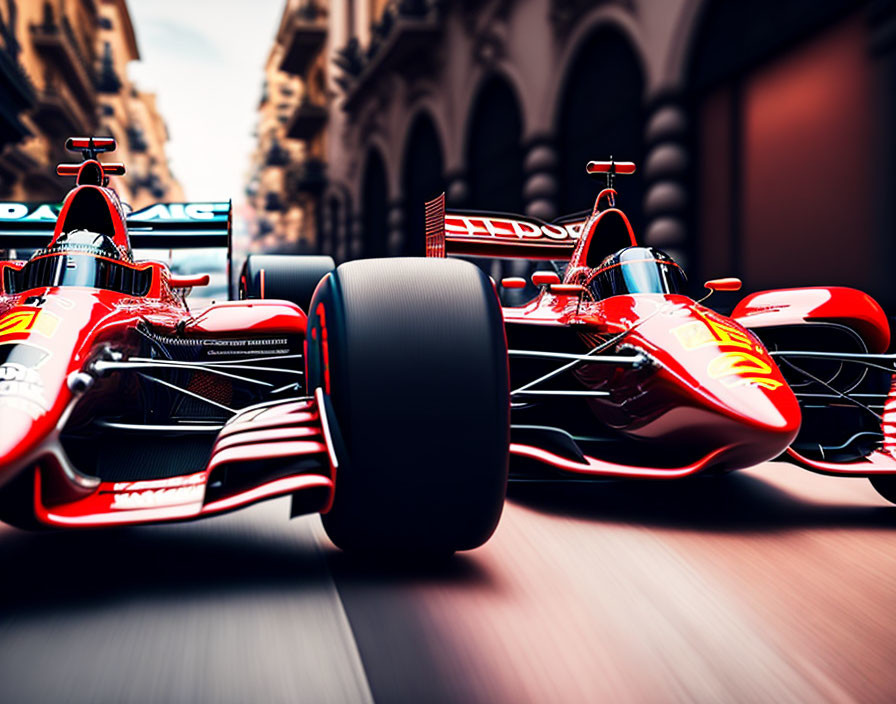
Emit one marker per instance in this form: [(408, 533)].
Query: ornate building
[(130, 115), (761, 130), (64, 73), (287, 171)]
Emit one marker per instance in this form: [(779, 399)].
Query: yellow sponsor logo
[(700, 333), (24, 322), (739, 367), (742, 368)]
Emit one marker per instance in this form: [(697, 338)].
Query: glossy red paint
[(68, 169), (709, 385), (51, 338), (189, 281), (267, 435), (605, 199), (706, 389), (69, 328), (325, 350), (480, 234), (115, 168), (606, 167), (594, 467), (877, 462), (255, 450), (97, 144), (134, 503), (726, 284), (513, 282), (835, 304), (545, 278), (591, 232), (254, 316), (568, 289)]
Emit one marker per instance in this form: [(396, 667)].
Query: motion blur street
[(261, 148), (767, 585)]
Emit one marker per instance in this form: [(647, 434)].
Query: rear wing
[(497, 235), (159, 226)]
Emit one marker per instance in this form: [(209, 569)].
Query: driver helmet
[(87, 242), (635, 270)]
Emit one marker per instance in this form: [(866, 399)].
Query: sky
[(205, 61)]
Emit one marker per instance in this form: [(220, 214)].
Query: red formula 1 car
[(381, 403), (616, 373)]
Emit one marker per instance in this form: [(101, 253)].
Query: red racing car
[(380, 401), (615, 372)]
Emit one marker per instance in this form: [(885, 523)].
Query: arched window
[(422, 180), (601, 115), (494, 150), (374, 207)]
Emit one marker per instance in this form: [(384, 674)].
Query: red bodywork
[(54, 342), (846, 309), (702, 394), (706, 383), (678, 388)]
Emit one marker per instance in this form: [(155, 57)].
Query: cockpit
[(81, 258), (635, 270)]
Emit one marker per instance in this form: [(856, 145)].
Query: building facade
[(64, 73), (761, 130), (287, 173)]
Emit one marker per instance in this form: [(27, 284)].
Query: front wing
[(263, 452)]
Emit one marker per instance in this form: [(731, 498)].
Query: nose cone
[(715, 385), (33, 393), (749, 435)]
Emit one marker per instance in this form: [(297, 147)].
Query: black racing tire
[(284, 277), (412, 358), (885, 485)]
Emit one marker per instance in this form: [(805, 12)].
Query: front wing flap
[(263, 452)]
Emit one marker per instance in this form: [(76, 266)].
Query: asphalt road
[(771, 585)]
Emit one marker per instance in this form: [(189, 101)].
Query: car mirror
[(545, 278), (727, 284), (513, 282), (189, 281), (567, 289)]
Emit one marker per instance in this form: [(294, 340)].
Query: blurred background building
[(287, 172), (762, 130), (63, 73)]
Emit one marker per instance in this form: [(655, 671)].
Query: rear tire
[(412, 359), (886, 486), (284, 277)]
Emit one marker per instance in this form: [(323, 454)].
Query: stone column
[(539, 195), (540, 186), (457, 193), (397, 235), (665, 178), (353, 246)]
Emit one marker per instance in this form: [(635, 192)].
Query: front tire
[(412, 358)]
